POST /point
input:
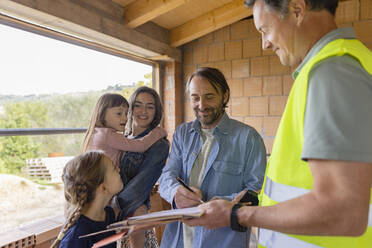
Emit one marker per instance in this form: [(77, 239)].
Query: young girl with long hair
[(91, 180), (107, 126)]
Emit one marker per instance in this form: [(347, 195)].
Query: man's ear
[(225, 97), (297, 8)]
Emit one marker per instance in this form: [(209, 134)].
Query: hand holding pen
[(183, 198)]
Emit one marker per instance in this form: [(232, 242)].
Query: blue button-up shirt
[(237, 162)]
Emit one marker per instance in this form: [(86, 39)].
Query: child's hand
[(163, 133)]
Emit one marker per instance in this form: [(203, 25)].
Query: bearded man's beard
[(213, 114)]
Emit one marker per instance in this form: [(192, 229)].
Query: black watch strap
[(234, 223)]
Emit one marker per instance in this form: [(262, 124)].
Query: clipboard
[(144, 222)]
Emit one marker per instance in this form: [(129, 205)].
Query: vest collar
[(340, 33)]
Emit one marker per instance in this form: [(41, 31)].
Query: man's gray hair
[(281, 6)]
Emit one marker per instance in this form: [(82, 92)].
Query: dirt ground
[(23, 201)]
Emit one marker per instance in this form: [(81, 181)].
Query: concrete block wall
[(259, 84)]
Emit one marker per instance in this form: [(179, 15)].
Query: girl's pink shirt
[(113, 143)]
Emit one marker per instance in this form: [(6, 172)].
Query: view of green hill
[(71, 110)]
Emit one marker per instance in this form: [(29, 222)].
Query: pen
[(185, 185)]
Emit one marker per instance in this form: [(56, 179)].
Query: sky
[(34, 64)]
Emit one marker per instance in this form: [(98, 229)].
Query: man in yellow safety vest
[(317, 189)]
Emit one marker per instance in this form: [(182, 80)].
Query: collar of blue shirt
[(222, 126)]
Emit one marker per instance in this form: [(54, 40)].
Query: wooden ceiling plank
[(78, 21), (190, 10), (142, 11), (216, 19), (123, 3)]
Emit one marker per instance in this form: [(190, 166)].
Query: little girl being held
[(91, 180), (105, 131)]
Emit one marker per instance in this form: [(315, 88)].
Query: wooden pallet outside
[(49, 169), (17, 239)]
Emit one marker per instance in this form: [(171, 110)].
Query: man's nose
[(202, 104), (266, 44)]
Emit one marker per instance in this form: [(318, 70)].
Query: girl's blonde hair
[(81, 176), (107, 100)]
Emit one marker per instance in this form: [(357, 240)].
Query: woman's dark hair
[(215, 78), (281, 6), (158, 107)]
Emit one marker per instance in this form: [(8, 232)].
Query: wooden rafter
[(74, 20), (216, 19), (142, 11), (123, 2)]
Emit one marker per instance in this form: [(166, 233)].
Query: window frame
[(44, 231)]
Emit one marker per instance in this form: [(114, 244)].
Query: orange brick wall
[(172, 97), (259, 84)]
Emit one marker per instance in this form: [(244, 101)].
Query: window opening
[(49, 84)]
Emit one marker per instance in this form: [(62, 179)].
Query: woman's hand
[(184, 198)]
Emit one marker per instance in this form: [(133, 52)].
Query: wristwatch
[(234, 223)]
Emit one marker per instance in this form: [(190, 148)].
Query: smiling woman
[(140, 171)]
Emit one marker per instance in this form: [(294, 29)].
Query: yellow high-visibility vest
[(288, 176)]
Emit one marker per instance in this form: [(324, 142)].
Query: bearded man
[(217, 156)]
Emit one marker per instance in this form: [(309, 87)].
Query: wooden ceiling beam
[(142, 11), (123, 2), (216, 19), (79, 21)]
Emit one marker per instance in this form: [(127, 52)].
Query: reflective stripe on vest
[(279, 192), (272, 239), (370, 216)]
